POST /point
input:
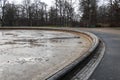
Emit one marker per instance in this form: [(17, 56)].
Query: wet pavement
[(109, 68), (37, 54)]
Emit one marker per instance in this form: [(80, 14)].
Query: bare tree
[(27, 6), (35, 13), (88, 8), (64, 12), (52, 16), (2, 6), (10, 14)]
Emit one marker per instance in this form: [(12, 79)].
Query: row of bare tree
[(61, 13), (36, 13), (109, 15), (95, 14), (26, 14)]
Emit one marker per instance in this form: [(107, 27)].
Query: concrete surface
[(109, 68), (36, 55)]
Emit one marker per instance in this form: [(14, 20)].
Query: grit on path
[(37, 54), (109, 68)]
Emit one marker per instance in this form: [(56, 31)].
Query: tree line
[(36, 13), (109, 14), (61, 13)]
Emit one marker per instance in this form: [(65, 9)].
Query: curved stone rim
[(59, 74), (68, 68)]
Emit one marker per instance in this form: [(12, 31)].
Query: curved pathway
[(109, 68)]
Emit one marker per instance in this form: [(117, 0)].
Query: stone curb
[(90, 67)]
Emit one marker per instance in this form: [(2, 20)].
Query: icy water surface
[(37, 54)]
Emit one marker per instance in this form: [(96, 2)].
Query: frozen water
[(37, 54)]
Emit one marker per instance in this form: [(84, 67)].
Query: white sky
[(49, 2)]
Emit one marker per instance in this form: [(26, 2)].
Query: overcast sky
[(49, 2)]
